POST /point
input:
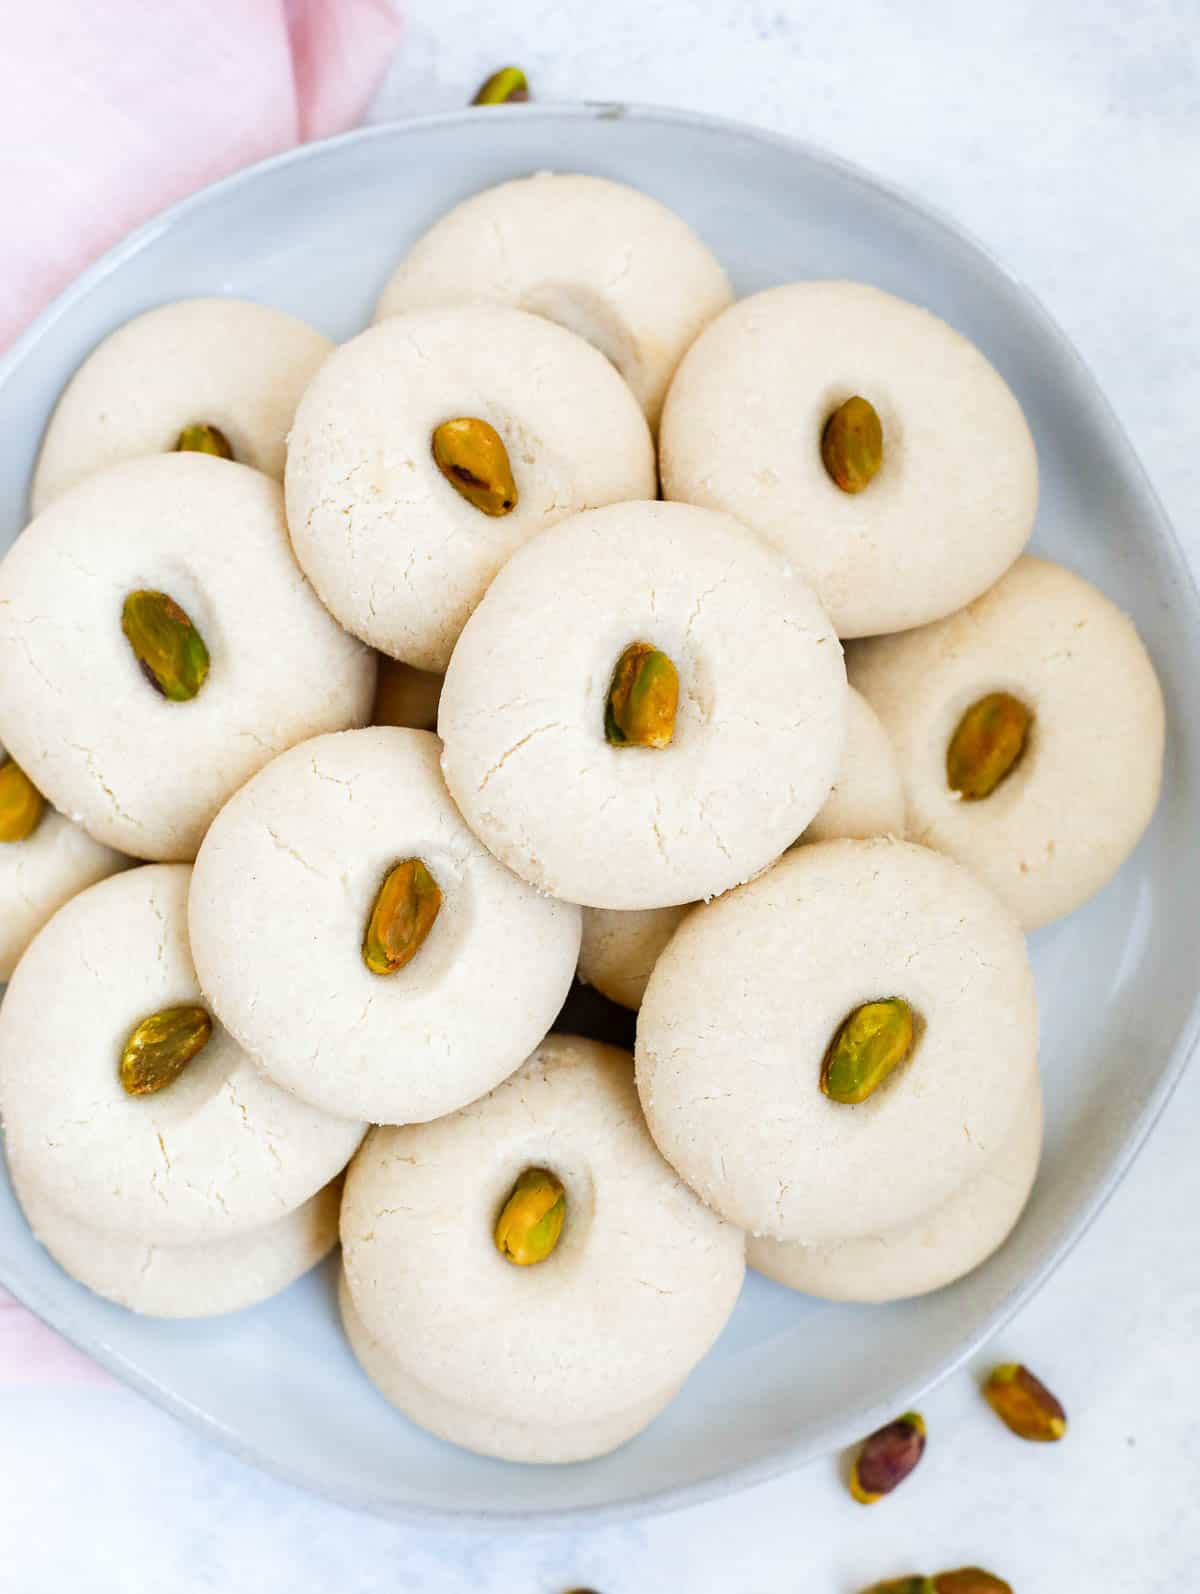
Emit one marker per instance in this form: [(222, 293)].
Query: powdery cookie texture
[(758, 733), (218, 1152), (300, 853), (228, 363), (1075, 805), (954, 501), (395, 551), (639, 1286), (606, 261), (142, 773), (205, 1279), (620, 948), (406, 697), (915, 1258), (42, 872), (744, 1002)]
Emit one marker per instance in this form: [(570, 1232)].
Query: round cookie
[(1077, 801), (746, 999), (305, 846), (218, 1152), (953, 502), (619, 949), (605, 261), (639, 1286), (915, 1258), (228, 363), (42, 872), (406, 697), (142, 773), (201, 1280), (757, 736), (396, 552)]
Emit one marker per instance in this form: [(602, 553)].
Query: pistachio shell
[(1024, 1404), (872, 1041), (508, 86), (852, 445), (161, 1046), (643, 697), (472, 457), (987, 745), (21, 803), (408, 902), (531, 1220), (166, 644), (887, 1457), (200, 438)]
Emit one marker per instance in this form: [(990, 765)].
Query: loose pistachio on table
[(21, 803), (170, 650), (531, 1220), (987, 745), (1024, 1404), (161, 1047), (201, 438), (508, 86), (407, 903), (471, 455), (866, 1047), (852, 445), (887, 1457), (966, 1580), (643, 697)]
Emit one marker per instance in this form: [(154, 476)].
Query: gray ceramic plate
[(316, 233)]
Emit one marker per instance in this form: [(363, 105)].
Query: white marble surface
[(1065, 135)]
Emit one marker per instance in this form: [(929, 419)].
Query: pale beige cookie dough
[(406, 697), (619, 949), (284, 886), (640, 1284), (605, 261), (205, 1279), (757, 736), (40, 873), (1075, 805), (228, 363), (748, 995), (142, 773), (915, 1258), (216, 1153), (395, 551), (954, 501)]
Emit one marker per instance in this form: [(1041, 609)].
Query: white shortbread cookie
[(744, 1002), (639, 1286), (606, 261), (952, 1240), (406, 697), (300, 853), (395, 551), (758, 733), (142, 773), (228, 363), (619, 948), (954, 501), (205, 1279), (42, 872), (219, 1151), (1075, 805)]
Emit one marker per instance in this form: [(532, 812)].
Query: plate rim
[(853, 1424)]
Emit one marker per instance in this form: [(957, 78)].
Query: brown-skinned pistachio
[(969, 1580), (508, 86), (471, 455), (21, 803), (405, 907), (531, 1220), (643, 698), (170, 650), (866, 1047), (161, 1046), (887, 1457), (201, 438), (1024, 1404), (987, 745), (852, 445)]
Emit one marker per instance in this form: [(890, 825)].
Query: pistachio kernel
[(1024, 1404), (531, 1220), (21, 803), (508, 86), (887, 1457), (643, 696), (408, 902), (852, 445), (913, 1584), (987, 745), (160, 1048), (472, 457), (969, 1580), (868, 1044), (201, 438), (166, 644)]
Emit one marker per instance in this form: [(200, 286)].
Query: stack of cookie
[(808, 867)]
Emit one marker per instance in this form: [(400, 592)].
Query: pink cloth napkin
[(107, 114), (110, 112)]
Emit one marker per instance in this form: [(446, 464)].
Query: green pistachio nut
[(987, 745), (1024, 1404), (408, 902), (170, 650), (869, 1043), (643, 698), (508, 86), (852, 445), (472, 457), (531, 1220), (201, 438), (21, 803), (160, 1048)]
